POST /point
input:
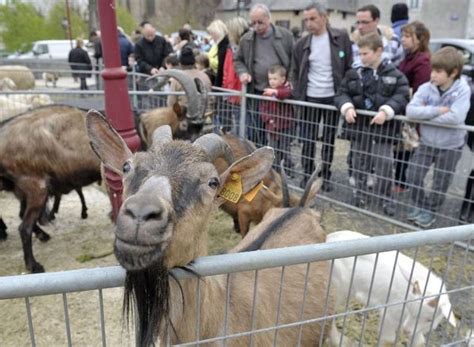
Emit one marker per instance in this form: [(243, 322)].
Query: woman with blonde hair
[(236, 28), (218, 31)]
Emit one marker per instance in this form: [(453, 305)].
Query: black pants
[(83, 83), (402, 157), (255, 129), (309, 129)]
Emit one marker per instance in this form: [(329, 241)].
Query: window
[(283, 23), (41, 49), (415, 4)]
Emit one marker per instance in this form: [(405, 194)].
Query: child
[(171, 61), (276, 116), (444, 101), (202, 63), (377, 86)]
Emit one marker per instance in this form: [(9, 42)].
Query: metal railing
[(455, 273), (304, 142)]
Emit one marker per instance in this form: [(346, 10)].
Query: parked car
[(49, 49), (465, 46)]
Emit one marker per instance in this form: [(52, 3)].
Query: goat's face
[(169, 192)]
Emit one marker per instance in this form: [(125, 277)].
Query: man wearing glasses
[(368, 18), (319, 63), (259, 49)]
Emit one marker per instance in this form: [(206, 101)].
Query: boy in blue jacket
[(444, 100)]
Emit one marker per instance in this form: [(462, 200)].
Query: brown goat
[(182, 127), (45, 152), (246, 212), (169, 194)]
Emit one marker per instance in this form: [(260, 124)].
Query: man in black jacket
[(319, 63), (151, 51)]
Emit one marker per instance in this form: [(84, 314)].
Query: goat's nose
[(145, 212)]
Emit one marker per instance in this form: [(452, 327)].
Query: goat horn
[(215, 147), (284, 186), (194, 89), (162, 135), (307, 189)]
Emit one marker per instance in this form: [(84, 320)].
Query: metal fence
[(371, 172), (241, 113), (364, 320)]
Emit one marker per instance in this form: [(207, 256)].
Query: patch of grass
[(222, 236), (83, 258)]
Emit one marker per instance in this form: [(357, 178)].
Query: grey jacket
[(282, 43), (425, 106), (341, 60)]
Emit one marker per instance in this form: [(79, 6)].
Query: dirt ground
[(77, 243)]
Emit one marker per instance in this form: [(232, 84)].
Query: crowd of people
[(385, 69)]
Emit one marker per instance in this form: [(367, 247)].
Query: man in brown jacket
[(319, 63)]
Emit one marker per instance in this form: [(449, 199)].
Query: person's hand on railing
[(350, 116), (154, 71), (245, 78), (379, 118), (270, 92)]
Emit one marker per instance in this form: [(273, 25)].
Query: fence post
[(134, 87), (243, 111)]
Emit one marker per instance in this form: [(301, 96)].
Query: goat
[(246, 212), (181, 126), (186, 122), (402, 285), (44, 152), (169, 193), (51, 77), (14, 104)]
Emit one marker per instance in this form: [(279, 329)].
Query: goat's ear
[(179, 110), (251, 168), (106, 142)]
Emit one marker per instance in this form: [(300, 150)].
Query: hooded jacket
[(426, 104)]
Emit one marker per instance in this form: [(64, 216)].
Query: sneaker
[(425, 219), (413, 213), (352, 181), (389, 208), (370, 181)]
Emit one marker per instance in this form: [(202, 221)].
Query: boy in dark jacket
[(377, 86), (276, 116)]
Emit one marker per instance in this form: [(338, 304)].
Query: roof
[(273, 5)]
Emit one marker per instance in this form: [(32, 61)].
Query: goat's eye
[(126, 167), (213, 183)]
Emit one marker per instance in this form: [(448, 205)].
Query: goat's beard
[(149, 290)]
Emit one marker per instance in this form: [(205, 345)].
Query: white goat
[(13, 104), (363, 273)]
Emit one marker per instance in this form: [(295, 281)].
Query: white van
[(50, 49)]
